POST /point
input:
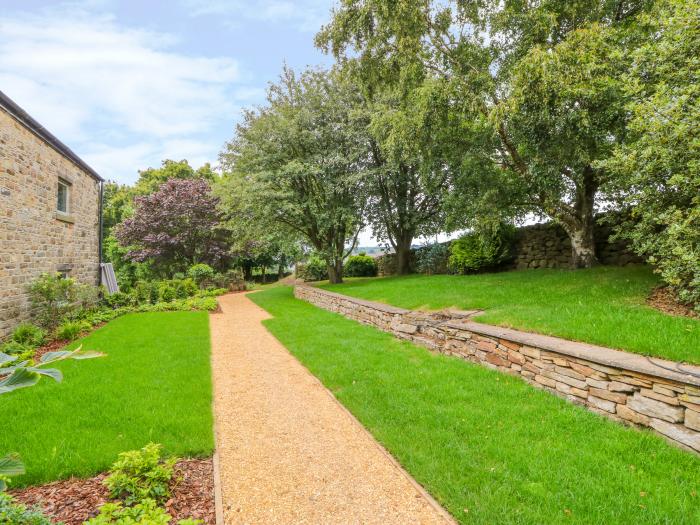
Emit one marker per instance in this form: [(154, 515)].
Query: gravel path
[(288, 452)]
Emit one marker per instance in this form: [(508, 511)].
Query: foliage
[(299, 162), (200, 273), (117, 299), (141, 474), (29, 335), (10, 465), (477, 434), (15, 513), (21, 374), (52, 298), (166, 292), (360, 266), (70, 330), (433, 258), (314, 269), (658, 167), (533, 93), (177, 226), (482, 250), (15, 348), (153, 178), (146, 512)]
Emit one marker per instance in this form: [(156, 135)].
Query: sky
[(128, 83)]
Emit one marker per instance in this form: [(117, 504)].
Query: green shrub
[(53, 298), (15, 513), (315, 269), (70, 330), (185, 288), (141, 474), (117, 300), (146, 512), (15, 348), (166, 292), (145, 292), (433, 259), (482, 250), (29, 335), (200, 273), (360, 266)]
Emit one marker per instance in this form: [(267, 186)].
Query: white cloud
[(122, 98), (306, 15)]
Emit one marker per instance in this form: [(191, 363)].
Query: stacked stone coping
[(629, 388)]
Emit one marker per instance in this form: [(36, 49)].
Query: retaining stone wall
[(625, 387), (32, 239)]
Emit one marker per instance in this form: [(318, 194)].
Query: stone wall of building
[(622, 386), (33, 237)]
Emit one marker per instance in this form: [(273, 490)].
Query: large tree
[(302, 157), (175, 227), (409, 180), (536, 85), (659, 166)]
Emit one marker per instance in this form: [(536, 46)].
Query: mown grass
[(489, 447), (604, 305), (153, 385)]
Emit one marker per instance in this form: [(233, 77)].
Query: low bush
[(15, 513), (315, 269), (360, 266), (482, 250), (166, 292), (200, 273), (117, 300), (29, 335), (141, 474), (70, 330), (53, 298), (184, 288), (147, 512), (15, 348), (433, 259)]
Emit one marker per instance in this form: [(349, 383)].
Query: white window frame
[(67, 186)]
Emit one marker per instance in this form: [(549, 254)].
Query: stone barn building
[(49, 212)]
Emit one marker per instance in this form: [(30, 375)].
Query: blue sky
[(128, 83)]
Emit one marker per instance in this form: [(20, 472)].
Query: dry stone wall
[(629, 388), (32, 239)]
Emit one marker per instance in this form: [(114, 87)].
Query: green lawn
[(489, 447), (153, 385), (603, 306)]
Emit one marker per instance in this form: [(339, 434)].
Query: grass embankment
[(154, 384), (604, 305), (489, 447)]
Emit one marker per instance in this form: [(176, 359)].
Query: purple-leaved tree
[(177, 226)]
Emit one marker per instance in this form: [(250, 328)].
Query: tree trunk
[(580, 228), (335, 272), (403, 256), (247, 272), (582, 245)]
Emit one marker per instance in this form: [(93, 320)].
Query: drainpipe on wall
[(99, 242)]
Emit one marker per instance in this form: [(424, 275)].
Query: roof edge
[(32, 125)]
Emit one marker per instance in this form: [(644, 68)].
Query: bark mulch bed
[(664, 299), (73, 501)]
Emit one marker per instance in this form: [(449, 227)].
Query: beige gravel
[(288, 452)]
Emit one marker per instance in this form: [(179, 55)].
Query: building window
[(63, 200)]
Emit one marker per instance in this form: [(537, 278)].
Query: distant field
[(604, 305)]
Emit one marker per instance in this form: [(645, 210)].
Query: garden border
[(630, 388)]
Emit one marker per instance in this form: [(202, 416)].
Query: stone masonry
[(629, 388), (34, 238)]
